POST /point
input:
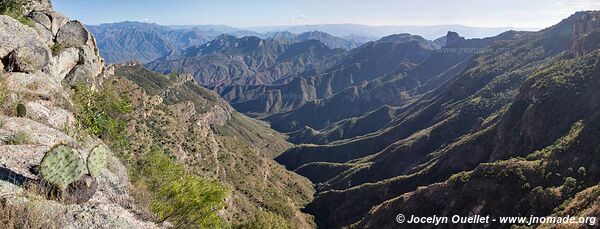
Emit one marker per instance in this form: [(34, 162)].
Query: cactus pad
[(97, 160), (61, 166)]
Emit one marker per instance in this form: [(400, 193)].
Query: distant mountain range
[(373, 32), (145, 42)]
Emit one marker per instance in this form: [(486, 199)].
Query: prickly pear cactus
[(61, 166), (97, 160)]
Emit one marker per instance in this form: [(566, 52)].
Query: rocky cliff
[(40, 62)]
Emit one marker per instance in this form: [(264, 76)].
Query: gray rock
[(42, 19), (58, 20), (89, 67), (44, 34), (20, 158), (39, 5), (72, 34), (13, 35), (28, 59), (47, 113), (63, 63), (39, 85), (37, 133)]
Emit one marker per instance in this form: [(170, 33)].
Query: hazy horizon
[(295, 25), (512, 13)]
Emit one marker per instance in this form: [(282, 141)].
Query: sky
[(247, 13)]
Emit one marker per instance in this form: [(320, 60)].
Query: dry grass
[(31, 209), (32, 214)]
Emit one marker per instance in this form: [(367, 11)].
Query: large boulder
[(46, 112), (61, 64), (58, 20), (28, 59), (41, 18), (13, 34), (36, 133), (90, 65), (73, 34), (37, 85), (44, 34)]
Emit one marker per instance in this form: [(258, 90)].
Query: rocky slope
[(200, 129), (394, 54), (390, 90), (39, 63), (529, 96)]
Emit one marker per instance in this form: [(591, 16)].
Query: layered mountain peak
[(406, 38), (453, 38)]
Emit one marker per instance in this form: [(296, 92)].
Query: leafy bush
[(102, 113), (14, 9), (569, 188), (186, 200), (265, 220)]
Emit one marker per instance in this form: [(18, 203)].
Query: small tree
[(184, 199)]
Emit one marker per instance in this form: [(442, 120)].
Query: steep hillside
[(203, 131), (393, 90), (389, 88), (553, 168), (471, 113)]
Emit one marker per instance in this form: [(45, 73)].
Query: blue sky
[(244, 13)]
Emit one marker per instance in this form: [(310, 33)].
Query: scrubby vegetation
[(265, 220), (163, 187), (102, 113), (34, 214), (14, 9), (184, 199)]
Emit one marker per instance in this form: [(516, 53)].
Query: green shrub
[(569, 188), (21, 110), (265, 220), (14, 9), (103, 113), (186, 200)]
